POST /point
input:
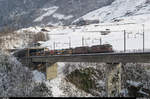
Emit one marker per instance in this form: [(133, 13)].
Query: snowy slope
[(49, 11), (61, 16), (61, 88), (120, 8)]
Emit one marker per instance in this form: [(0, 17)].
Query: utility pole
[(54, 45), (124, 41), (80, 5), (100, 40), (82, 41), (143, 39), (69, 42)]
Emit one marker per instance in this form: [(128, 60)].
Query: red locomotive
[(80, 50), (101, 48)]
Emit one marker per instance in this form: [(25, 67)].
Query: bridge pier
[(51, 70), (113, 79)]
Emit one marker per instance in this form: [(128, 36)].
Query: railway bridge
[(114, 63)]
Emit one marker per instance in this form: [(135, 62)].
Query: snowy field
[(92, 35)]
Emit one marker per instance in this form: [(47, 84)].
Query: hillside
[(19, 14), (120, 9)]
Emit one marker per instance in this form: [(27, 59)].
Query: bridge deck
[(138, 57)]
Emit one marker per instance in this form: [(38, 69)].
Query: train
[(105, 48)]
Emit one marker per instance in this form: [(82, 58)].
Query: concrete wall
[(51, 71), (113, 76)]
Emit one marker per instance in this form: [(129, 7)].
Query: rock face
[(24, 13)]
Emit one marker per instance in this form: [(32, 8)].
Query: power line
[(54, 45)]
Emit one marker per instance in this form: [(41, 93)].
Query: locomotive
[(26, 52)]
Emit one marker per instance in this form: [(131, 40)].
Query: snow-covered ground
[(38, 76), (55, 86), (61, 16), (133, 83), (61, 88)]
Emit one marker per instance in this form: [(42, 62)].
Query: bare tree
[(40, 37)]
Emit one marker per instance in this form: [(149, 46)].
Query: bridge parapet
[(102, 57)]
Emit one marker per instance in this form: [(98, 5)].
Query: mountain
[(25, 13), (121, 9)]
